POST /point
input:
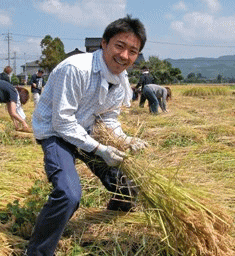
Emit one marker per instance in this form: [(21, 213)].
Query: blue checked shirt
[(69, 104)]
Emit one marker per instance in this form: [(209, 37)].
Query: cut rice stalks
[(190, 224)]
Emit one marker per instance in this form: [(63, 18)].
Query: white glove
[(111, 155), (135, 143)]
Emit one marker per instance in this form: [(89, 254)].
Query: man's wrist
[(95, 149)]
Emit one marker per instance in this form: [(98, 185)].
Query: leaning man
[(82, 89)]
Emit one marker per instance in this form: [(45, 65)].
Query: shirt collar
[(96, 61)]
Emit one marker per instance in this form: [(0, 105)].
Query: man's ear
[(103, 44)]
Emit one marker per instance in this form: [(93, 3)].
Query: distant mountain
[(208, 67)]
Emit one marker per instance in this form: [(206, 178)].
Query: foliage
[(24, 217), (14, 79), (52, 51), (195, 78), (161, 70), (134, 75), (29, 77)]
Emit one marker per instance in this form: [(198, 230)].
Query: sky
[(175, 29)]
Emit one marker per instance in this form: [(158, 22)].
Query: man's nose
[(125, 54)]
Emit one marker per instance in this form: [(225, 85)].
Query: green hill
[(208, 67)]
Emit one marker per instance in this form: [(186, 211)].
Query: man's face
[(40, 74), (8, 70), (121, 51)]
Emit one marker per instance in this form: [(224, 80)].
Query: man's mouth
[(120, 62)]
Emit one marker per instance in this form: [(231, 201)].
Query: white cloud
[(169, 16), (213, 5), (199, 26), (5, 19), (86, 13), (180, 6)]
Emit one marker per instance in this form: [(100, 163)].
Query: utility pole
[(25, 71), (14, 65), (8, 38)]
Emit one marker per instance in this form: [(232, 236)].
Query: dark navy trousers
[(59, 160), (152, 99)]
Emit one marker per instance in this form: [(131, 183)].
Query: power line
[(64, 38), (153, 42)]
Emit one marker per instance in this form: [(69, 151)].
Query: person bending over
[(15, 97), (156, 96)]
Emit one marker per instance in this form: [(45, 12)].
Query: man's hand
[(27, 129), (111, 155), (136, 144)]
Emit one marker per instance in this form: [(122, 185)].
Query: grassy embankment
[(193, 144)]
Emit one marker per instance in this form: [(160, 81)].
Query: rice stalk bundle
[(189, 227)]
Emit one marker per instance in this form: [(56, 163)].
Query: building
[(92, 43), (29, 69), (76, 51)]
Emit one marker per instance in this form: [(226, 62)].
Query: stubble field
[(193, 145)]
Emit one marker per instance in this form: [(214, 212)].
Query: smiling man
[(82, 89)]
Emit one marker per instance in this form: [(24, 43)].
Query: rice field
[(191, 147)]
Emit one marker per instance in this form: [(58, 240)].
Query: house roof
[(75, 51), (92, 41), (32, 64)]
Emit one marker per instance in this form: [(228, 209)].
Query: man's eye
[(119, 46), (133, 52)]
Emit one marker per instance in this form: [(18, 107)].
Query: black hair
[(123, 25)]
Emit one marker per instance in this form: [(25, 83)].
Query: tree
[(14, 79), (219, 79), (52, 52), (134, 76), (176, 75), (161, 70), (191, 77)]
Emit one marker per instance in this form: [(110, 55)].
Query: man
[(156, 96), (82, 89), (5, 75), (14, 99), (37, 82), (145, 78)]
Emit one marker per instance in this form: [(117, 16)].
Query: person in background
[(145, 78), (5, 75), (156, 96), (37, 82), (81, 90), (15, 97)]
